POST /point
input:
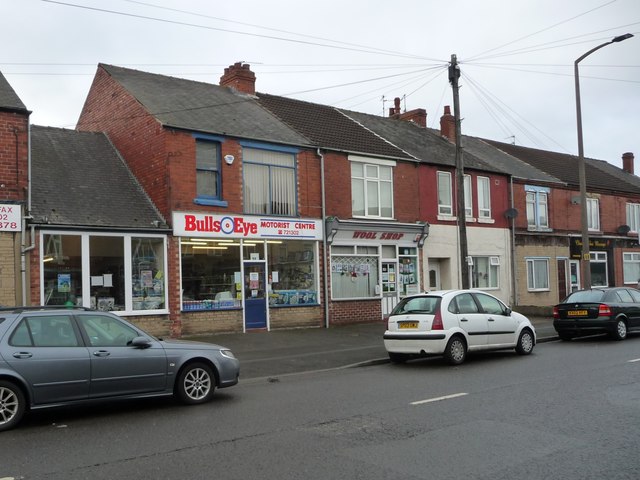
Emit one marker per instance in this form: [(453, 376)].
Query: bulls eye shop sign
[(187, 224)]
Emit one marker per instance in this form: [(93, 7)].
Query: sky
[(516, 58)]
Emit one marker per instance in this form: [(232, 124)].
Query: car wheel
[(196, 384), (456, 351), (12, 405), (565, 336), (398, 357), (525, 342), (621, 330)]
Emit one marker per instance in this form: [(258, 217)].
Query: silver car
[(61, 356)]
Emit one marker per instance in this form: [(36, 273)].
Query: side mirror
[(507, 311), (140, 342)]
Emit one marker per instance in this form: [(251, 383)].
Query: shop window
[(409, 279), (147, 273), (599, 274), (211, 278), (484, 272), (371, 190), (631, 267), (354, 275), (269, 182), (106, 259), (292, 273), (537, 274), (115, 281)]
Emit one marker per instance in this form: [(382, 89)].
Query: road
[(569, 411)]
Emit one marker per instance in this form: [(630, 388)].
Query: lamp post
[(586, 256)]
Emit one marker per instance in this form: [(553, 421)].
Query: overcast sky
[(516, 58)]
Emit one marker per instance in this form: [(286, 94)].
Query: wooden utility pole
[(454, 75)]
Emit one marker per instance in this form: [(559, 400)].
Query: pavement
[(267, 355)]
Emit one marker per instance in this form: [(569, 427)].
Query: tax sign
[(10, 220)]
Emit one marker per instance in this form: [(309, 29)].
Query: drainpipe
[(23, 248), (514, 268), (325, 276)]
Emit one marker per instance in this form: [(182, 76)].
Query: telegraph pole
[(454, 75)]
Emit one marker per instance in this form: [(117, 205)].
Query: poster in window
[(64, 282), (146, 278), (254, 280)]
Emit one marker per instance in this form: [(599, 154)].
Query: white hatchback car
[(452, 323)]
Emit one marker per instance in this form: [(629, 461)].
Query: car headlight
[(227, 353)]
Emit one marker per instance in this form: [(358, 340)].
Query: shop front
[(373, 264), (251, 265)]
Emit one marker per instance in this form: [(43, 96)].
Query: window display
[(354, 275), (292, 273)]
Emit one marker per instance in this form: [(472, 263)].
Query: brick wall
[(296, 317), (9, 269), (355, 311)]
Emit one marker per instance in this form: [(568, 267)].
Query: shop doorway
[(389, 287), (255, 296), (434, 275)]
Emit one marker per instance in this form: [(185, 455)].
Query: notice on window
[(64, 282), (254, 280)]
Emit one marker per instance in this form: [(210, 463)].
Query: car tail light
[(556, 313), (604, 311), (437, 321)]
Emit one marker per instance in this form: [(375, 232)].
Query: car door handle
[(22, 355), (491, 319), (464, 320), (101, 353)]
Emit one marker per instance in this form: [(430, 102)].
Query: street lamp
[(586, 256)]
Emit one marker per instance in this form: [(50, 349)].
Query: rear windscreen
[(427, 305), (587, 296)]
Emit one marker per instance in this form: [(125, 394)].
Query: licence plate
[(408, 325), (577, 313)]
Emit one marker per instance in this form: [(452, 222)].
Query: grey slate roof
[(505, 162), (80, 180), (328, 128), (203, 107), (9, 100), (599, 174)]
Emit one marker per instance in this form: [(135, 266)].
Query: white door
[(390, 296), (434, 275)]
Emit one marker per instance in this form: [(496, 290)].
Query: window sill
[(539, 290), (540, 229), (210, 202), (447, 218), (486, 220)]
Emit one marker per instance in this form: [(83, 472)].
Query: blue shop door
[(255, 296)]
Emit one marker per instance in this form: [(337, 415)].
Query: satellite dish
[(511, 213), (624, 229)]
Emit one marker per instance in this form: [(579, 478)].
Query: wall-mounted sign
[(187, 224), (10, 218)]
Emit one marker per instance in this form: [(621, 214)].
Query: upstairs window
[(269, 182), (468, 199), (371, 190), (484, 197), (633, 217), (208, 170), (537, 208), (445, 196), (593, 214)]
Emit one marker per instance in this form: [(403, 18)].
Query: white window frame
[(633, 217), (493, 272), (484, 197), (468, 197), (538, 199), (533, 265), (445, 209), (368, 179), (599, 258), (593, 214), (631, 260)]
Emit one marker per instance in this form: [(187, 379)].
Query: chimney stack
[(417, 115), (627, 162), (448, 125), (239, 77)]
